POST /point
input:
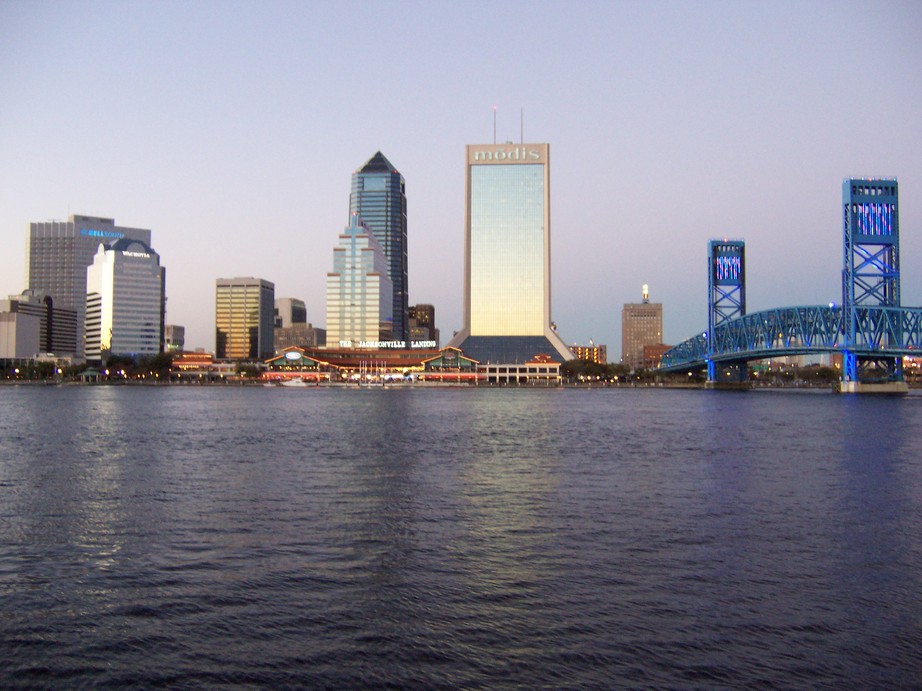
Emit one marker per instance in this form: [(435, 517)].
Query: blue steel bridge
[(871, 329)]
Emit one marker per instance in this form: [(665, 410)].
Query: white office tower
[(124, 301)]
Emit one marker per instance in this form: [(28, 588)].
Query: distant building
[(125, 301), (507, 261), (19, 336), (539, 371), (200, 367), (244, 318), (174, 338), (422, 324), (379, 199), (591, 352), (359, 292), (289, 311), (58, 326), (653, 355), (299, 335), (641, 325), (58, 254)]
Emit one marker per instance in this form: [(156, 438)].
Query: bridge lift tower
[(726, 300), (871, 273)]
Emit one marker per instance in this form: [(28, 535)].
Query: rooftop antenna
[(494, 125), (522, 125)]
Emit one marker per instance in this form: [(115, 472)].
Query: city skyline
[(222, 126)]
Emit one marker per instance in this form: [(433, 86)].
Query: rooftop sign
[(92, 233), (507, 153)]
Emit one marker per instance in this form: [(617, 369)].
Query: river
[(413, 537)]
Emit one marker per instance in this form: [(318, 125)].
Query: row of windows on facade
[(510, 369), (875, 191)]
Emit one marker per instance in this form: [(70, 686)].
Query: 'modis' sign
[(515, 153)]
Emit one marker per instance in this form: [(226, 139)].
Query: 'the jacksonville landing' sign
[(507, 153), (382, 345)]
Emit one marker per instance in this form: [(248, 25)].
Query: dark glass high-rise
[(379, 198)]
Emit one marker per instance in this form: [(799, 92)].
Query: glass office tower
[(244, 318), (380, 200), (507, 268), (359, 292)]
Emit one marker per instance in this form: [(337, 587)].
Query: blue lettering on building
[(101, 233)]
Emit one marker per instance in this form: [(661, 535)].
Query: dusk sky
[(231, 130)]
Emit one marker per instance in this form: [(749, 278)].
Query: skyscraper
[(58, 332), (174, 338), (289, 311), (641, 325), (379, 198), (58, 254), (359, 292), (422, 324), (244, 318), (507, 256), (125, 302)]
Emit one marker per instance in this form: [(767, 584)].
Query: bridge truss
[(880, 333), (871, 329)]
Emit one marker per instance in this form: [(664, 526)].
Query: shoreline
[(421, 385)]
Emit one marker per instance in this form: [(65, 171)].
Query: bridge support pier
[(889, 387), (727, 376), (727, 385), (881, 374)]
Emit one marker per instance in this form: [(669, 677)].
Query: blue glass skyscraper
[(379, 199)]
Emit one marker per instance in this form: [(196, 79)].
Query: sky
[(231, 129)]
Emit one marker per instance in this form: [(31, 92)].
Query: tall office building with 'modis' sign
[(58, 254), (507, 256), (379, 198)]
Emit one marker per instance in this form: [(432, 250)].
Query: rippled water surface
[(207, 537)]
